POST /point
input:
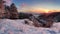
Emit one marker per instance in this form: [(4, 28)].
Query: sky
[(36, 5)]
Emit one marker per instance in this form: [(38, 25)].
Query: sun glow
[(40, 10), (46, 11)]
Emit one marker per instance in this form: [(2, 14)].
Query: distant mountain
[(54, 15)]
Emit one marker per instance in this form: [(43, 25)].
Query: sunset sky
[(37, 5)]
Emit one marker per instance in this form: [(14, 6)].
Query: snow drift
[(8, 2), (8, 26)]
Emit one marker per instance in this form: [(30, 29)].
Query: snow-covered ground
[(8, 26)]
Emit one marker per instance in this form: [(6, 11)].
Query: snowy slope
[(8, 26)]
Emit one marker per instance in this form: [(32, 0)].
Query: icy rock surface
[(8, 26)]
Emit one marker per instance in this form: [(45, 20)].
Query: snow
[(8, 26)]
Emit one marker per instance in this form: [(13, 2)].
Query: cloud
[(8, 2)]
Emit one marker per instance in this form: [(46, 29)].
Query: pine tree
[(14, 12), (7, 10)]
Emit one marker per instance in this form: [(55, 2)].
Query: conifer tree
[(14, 12), (2, 10)]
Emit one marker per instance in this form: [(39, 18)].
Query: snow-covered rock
[(8, 26)]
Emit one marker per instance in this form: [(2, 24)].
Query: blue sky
[(36, 4)]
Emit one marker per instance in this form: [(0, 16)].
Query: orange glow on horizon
[(40, 10)]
